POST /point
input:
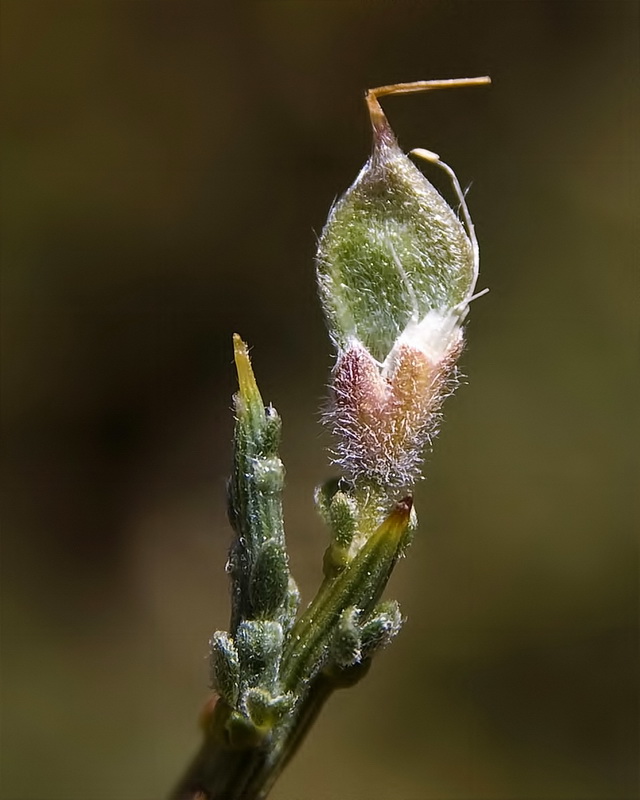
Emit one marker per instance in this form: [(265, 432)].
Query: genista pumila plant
[(397, 269)]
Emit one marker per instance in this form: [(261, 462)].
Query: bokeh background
[(166, 165)]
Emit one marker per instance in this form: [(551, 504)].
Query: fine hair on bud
[(382, 420), (397, 269)]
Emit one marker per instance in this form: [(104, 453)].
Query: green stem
[(220, 773)]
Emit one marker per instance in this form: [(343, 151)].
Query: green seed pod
[(392, 250)]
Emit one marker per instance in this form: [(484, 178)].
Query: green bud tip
[(246, 380)]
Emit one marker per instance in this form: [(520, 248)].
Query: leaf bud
[(259, 644), (381, 627), (225, 667), (269, 579), (265, 709), (347, 640)]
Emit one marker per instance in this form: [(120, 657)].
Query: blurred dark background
[(166, 165)]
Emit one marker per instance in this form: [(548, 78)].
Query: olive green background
[(165, 167)]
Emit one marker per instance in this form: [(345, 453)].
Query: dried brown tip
[(376, 114), (206, 715), (405, 505)]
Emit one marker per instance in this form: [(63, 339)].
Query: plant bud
[(381, 627), (396, 272), (225, 669)]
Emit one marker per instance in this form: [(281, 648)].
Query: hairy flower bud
[(382, 418), (396, 272)]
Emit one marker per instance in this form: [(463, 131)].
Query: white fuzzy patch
[(434, 335)]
